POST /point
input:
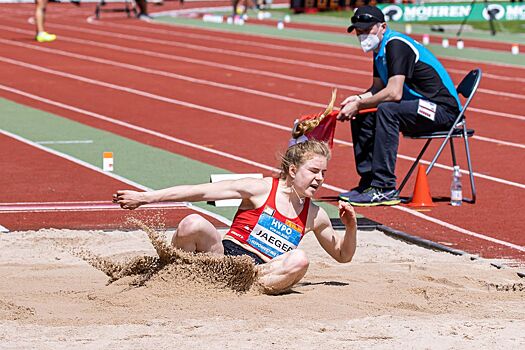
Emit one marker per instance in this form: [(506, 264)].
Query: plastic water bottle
[(456, 191)]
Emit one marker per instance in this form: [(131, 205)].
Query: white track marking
[(199, 81), (339, 45), (499, 142), (58, 207), (257, 72), (70, 142), (195, 106)]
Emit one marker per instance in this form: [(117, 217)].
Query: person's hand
[(349, 99), (129, 199), (347, 214), (349, 110)]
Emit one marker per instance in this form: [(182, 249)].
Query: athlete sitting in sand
[(274, 215)]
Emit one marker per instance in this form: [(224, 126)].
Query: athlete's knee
[(190, 225), (297, 261)]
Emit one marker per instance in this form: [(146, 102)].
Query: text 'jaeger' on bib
[(273, 237)]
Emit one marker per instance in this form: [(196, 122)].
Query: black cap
[(365, 17)]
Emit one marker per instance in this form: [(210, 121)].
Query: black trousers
[(376, 138)]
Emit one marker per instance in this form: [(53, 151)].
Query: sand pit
[(393, 294)]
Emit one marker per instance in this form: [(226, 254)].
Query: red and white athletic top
[(265, 230)]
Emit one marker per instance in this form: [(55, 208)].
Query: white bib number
[(273, 237)]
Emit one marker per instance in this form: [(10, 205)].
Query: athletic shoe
[(45, 37), (353, 193), (144, 17), (374, 196)]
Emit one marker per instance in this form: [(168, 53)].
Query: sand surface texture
[(392, 295)]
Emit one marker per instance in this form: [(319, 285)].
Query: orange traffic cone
[(421, 197)]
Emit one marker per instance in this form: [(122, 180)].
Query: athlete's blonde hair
[(299, 153)]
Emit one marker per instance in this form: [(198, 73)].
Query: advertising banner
[(454, 12)]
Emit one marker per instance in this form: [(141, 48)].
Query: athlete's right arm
[(246, 188)]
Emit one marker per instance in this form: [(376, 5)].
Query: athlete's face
[(309, 176)]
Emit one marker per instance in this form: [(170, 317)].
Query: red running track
[(250, 101)]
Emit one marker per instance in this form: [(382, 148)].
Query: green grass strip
[(344, 39)]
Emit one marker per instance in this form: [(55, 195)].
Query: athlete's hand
[(129, 199), (347, 214)]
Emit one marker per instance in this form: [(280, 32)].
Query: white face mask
[(368, 41)]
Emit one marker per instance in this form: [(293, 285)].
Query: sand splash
[(176, 266)]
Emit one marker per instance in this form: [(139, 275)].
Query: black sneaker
[(353, 193), (374, 196)]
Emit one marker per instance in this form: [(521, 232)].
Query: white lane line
[(251, 55), (162, 73), (280, 47), (198, 107), (194, 80), (235, 68), (499, 142), (197, 61), (246, 161), (87, 206), (173, 32), (3, 229), (442, 166), (54, 203), (207, 63), (445, 224), (497, 114), (109, 174), (65, 142)]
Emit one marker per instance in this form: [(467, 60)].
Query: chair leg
[(438, 153), (471, 172), (416, 162), (453, 152)]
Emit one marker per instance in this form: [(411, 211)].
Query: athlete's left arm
[(341, 248)]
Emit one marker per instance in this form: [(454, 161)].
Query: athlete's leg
[(281, 273), (235, 4), (196, 234), (40, 11)]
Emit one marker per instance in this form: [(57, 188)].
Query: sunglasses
[(364, 18)]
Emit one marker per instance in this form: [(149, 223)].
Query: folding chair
[(467, 88)]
